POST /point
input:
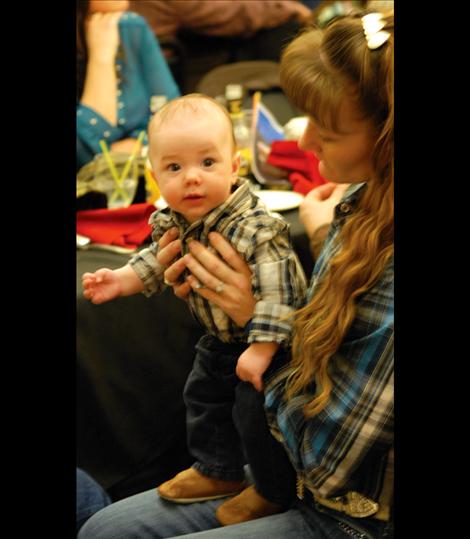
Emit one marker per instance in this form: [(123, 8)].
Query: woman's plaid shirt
[(349, 445), (263, 240)]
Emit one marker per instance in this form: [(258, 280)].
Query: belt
[(351, 503)]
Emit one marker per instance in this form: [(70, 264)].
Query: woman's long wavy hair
[(318, 69)]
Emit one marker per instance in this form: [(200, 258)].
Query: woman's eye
[(173, 167), (208, 162), (326, 139)]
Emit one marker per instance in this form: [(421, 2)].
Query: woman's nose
[(309, 141)]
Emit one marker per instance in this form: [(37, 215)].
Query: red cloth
[(126, 227), (303, 166)]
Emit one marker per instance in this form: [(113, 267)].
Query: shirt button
[(107, 134), (120, 105), (119, 92), (93, 121), (118, 67), (79, 113), (345, 208), (122, 121)]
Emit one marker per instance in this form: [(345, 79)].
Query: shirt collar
[(232, 204), (348, 203)]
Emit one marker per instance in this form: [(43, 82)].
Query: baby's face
[(193, 161)]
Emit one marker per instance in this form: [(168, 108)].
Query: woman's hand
[(317, 208), (225, 283), (100, 88), (169, 249), (102, 36)]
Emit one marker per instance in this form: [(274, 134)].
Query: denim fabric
[(337, 525), (147, 516), (91, 497), (227, 425)]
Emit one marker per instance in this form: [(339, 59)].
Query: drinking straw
[(256, 99), (132, 156), (112, 168), (125, 171)]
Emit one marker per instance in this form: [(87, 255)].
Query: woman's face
[(107, 6), (346, 155)]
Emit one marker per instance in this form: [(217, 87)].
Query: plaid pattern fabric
[(263, 240), (347, 445)]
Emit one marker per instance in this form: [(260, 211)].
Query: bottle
[(157, 102), (241, 131), (151, 186)]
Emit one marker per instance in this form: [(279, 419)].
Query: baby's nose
[(192, 175)]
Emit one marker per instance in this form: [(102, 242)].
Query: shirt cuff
[(149, 271), (270, 323), (92, 127)]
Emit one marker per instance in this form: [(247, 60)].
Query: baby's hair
[(195, 103)]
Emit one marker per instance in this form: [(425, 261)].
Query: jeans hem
[(218, 473), (285, 503)]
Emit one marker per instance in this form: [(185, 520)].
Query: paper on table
[(280, 200), (265, 130)]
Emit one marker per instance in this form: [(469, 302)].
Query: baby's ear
[(235, 166)]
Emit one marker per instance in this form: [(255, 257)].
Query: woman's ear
[(235, 166)]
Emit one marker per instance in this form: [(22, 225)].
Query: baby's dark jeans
[(227, 425)]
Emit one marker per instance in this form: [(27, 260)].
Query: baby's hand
[(101, 286), (254, 361)]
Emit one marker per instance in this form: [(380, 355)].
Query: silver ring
[(219, 288), (168, 283)]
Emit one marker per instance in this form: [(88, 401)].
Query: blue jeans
[(91, 497), (227, 426), (147, 516)]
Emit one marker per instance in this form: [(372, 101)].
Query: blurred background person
[(120, 66), (222, 18), (198, 35)]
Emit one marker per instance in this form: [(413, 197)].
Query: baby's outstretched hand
[(101, 286)]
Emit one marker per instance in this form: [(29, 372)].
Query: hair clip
[(373, 24)]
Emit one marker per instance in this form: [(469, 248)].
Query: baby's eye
[(173, 167), (208, 162)]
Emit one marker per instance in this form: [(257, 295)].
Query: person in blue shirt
[(332, 406), (120, 67)]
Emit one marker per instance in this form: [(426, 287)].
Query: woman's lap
[(147, 516), (91, 497)]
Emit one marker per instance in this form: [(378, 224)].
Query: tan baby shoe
[(248, 505), (190, 486)]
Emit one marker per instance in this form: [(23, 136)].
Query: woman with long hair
[(120, 66), (331, 407)]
